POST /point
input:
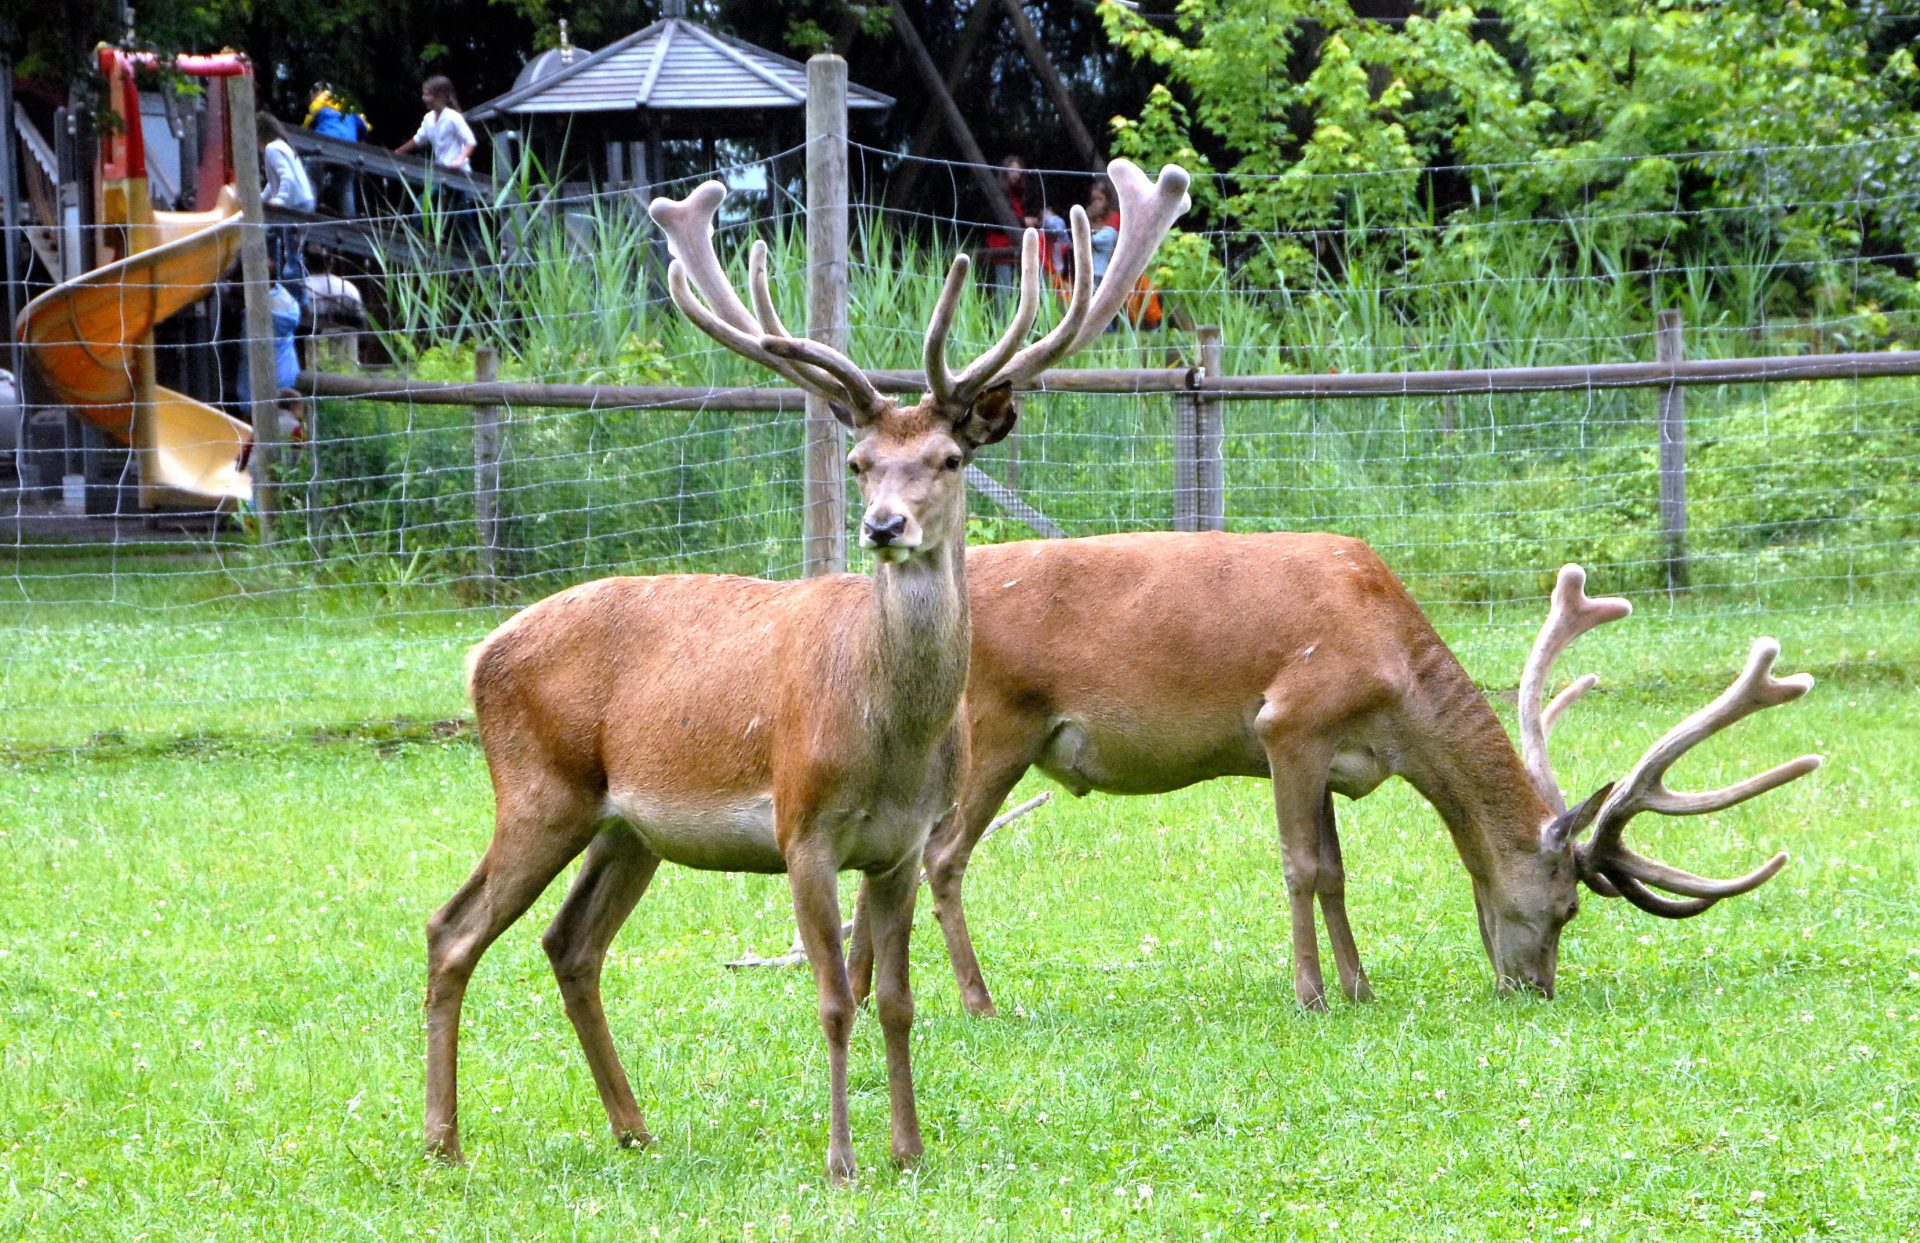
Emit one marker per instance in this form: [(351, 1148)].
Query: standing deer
[(1137, 664), (742, 725)]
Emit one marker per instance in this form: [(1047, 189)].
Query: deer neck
[(1460, 759), (918, 638)]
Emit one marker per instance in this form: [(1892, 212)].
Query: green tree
[(1574, 108)]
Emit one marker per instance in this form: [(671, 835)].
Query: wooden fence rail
[(1199, 499), (1689, 373)]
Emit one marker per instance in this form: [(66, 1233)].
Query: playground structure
[(91, 336)]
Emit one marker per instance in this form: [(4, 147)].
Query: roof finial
[(566, 44), (673, 8)]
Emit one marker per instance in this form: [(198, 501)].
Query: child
[(1105, 222), (443, 130), (287, 183), (333, 117)]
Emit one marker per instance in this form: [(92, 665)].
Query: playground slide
[(87, 334)]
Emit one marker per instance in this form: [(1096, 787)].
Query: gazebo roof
[(548, 63), (672, 65)]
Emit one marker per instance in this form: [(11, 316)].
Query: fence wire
[(161, 627)]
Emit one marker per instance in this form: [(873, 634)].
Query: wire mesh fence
[(392, 548)]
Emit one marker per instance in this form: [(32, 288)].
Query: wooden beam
[(1571, 378), (957, 124), (902, 190), (1056, 87), (374, 159), (256, 286), (486, 475)]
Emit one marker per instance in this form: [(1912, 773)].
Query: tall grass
[(1472, 496)]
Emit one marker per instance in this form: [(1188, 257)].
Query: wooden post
[(1670, 348), (1056, 89), (310, 418), (75, 255), (486, 474), (1210, 483), (902, 190), (1199, 485), (824, 547), (257, 288), (956, 122), (9, 193)]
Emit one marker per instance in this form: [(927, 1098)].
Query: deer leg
[(1299, 786), (860, 949), (533, 838), (948, 851), (815, 881), (615, 874), (1331, 886), (889, 906)]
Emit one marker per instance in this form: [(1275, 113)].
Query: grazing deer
[(743, 725), (1137, 664)]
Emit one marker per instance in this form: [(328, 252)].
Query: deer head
[(909, 460), (1521, 918)]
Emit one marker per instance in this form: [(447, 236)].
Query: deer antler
[(1147, 211), (1573, 614), (703, 293), (1606, 859)]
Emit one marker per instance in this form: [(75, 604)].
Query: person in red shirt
[(1003, 252)]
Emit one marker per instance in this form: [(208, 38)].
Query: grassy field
[(211, 963)]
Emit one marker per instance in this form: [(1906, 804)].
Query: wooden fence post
[(1670, 348), (1199, 487), (310, 417), (257, 290), (486, 474), (824, 538), (1210, 482)]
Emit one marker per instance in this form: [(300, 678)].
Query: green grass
[(211, 964), (143, 653)]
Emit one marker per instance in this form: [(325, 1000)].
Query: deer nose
[(882, 530)]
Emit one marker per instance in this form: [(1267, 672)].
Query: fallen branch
[(797, 953)]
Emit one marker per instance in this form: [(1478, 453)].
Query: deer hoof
[(633, 1139), (840, 1169), (445, 1152)]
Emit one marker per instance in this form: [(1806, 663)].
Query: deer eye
[(952, 462)]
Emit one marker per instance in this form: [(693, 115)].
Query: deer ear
[(843, 414), (1569, 825), (989, 420)]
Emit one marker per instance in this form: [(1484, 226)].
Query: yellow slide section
[(89, 334)]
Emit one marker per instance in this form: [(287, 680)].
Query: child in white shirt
[(287, 182), (443, 130)]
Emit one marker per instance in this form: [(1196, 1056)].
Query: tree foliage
[(377, 51), (1571, 108)]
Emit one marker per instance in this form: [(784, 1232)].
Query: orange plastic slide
[(87, 335)]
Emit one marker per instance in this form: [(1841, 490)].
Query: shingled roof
[(673, 64)]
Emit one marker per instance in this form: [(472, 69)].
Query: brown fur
[(727, 723), (730, 723), (1142, 663)]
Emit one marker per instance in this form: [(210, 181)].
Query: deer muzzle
[(893, 535)]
